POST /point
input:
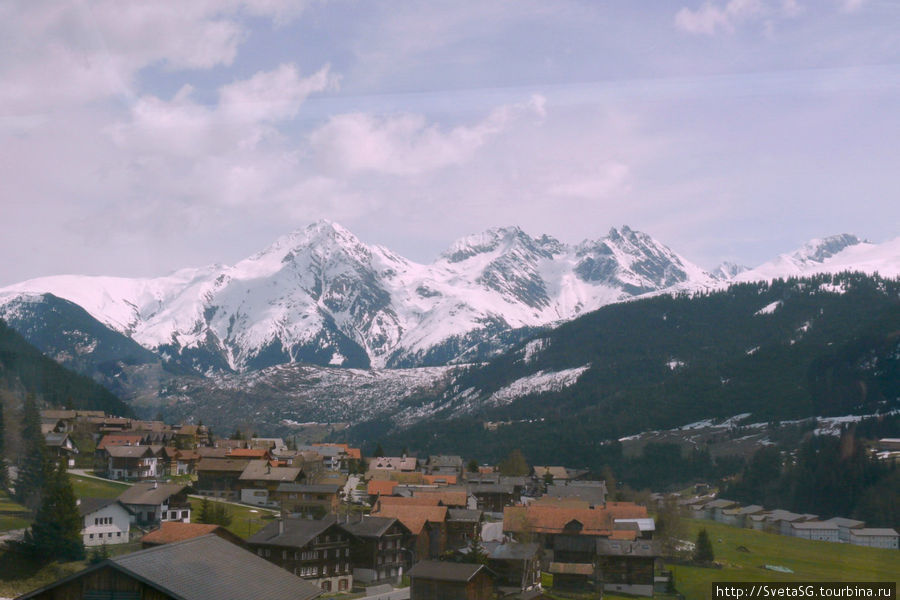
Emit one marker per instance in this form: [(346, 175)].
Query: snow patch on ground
[(674, 364), (533, 348), (538, 383), (768, 309)]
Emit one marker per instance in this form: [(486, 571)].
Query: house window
[(92, 536), (326, 586), (185, 514), (118, 534), (342, 585)]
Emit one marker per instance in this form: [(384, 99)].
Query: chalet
[(132, 462), (379, 548), (195, 569), (104, 521), (153, 503), (645, 527), (259, 480), (714, 510), (170, 532), (845, 526), (443, 464), (779, 521), (625, 566), (317, 550), (120, 439), (463, 525), (436, 580), (874, 537), (308, 499), (554, 474), (824, 531), (61, 447), (186, 462), (492, 497), (218, 477), (739, 515), (427, 523), (517, 566)]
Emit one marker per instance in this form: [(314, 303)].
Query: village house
[(427, 523), (196, 569), (626, 566), (153, 503), (874, 537), (218, 477), (404, 464), (437, 580), (61, 447), (317, 550), (444, 465), (259, 480), (517, 566), (308, 499), (492, 497), (104, 521), (462, 525), (132, 462), (379, 548)]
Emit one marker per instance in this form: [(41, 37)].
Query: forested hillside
[(24, 369), (826, 345)]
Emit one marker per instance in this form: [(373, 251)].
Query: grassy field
[(810, 561), (85, 487), (12, 514)]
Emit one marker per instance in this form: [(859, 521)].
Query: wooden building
[(437, 580), (380, 548), (197, 569), (317, 550)]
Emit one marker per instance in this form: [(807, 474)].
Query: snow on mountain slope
[(833, 254), (319, 295)]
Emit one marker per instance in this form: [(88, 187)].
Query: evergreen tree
[(203, 513), (35, 464), (476, 553), (56, 531), (379, 451), (4, 475), (703, 550), (472, 467)]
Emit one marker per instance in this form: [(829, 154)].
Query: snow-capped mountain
[(833, 254), (320, 295)]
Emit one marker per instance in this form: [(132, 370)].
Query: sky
[(137, 138)]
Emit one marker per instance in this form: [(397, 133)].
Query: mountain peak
[(819, 249), (488, 240)]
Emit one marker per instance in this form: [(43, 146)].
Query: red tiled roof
[(248, 453), (379, 487), (413, 517), (120, 439), (175, 532), (553, 519), (440, 479)]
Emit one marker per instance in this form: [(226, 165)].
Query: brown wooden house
[(317, 550), (437, 580), (379, 548)]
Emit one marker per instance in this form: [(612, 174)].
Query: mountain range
[(320, 296)]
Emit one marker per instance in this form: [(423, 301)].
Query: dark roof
[(150, 493), (445, 460), (511, 550), (371, 527), (319, 488), (222, 464), (489, 488), (595, 494), (56, 439), (89, 505), (202, 568), (444, 571), (464, 514), (297, 532), (130, 451)]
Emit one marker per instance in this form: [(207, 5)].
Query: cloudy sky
[(139, 137)]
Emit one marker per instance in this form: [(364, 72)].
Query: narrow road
[(397, 594), (85, 474)]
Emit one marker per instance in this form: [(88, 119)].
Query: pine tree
[(35, 464), (703, 550), (379, 451), (4, 474), (476, 553), (203, 513), (56, 531)]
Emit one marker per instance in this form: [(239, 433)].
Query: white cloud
[(407, 144), (711, 18), (59, 53)]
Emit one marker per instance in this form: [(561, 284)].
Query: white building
[(104, 521), (153, 503), (823, 531), (874, 537)]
